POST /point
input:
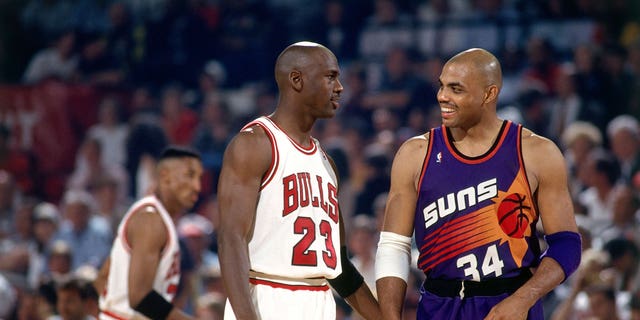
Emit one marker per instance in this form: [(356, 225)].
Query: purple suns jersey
[(475, 218)]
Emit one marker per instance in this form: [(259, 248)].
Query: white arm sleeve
[(393, 256)]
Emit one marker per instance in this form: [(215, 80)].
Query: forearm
[(234, 266), (391, 293), (548, 276), (364, 303)]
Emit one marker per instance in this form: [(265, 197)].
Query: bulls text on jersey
[(299, 191)]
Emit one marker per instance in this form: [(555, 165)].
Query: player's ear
[(491, 94), (295, 78)]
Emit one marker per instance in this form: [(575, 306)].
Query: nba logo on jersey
[(439, 157)]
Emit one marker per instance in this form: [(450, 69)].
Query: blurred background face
[(624, 144), (78, 214), (70, 305)]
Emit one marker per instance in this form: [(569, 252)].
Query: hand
[(510, 308)]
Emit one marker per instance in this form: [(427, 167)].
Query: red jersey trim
[(112, 315), (125, 239), (475, 160), (425, 162), (288, 286), (309, 151), (275, 155)]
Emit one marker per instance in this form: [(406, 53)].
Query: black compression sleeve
[(350, 279), (154, 306)]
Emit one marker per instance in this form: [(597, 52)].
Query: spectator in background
[(618, 81), (542, 69), (589, 77), (376, 182), (178, 120), (88, 237), (400, 87), (14, 249), (91, 168), (21, 164), (567, 106), (110, 131), (624, 137), (72, 296), (211, 137), (624, 219), (600, 174), (362, 246), (58, 61), (623, 265), (109, 207), (336, 29), (8, 298), (96, 65), (578, 140), (145, 141), (8, 201), (210, 81), (45, 226)]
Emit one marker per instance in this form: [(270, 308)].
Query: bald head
[(483, 63), (298, 56)]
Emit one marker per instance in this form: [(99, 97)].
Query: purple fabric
[(565, 247), (432, 307)]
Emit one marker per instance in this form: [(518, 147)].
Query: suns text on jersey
[(301, 191), (459, 200)]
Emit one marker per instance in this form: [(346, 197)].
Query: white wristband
[(393, 256)]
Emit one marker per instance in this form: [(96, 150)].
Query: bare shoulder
[(414, 144), (541, 155), (251, 146), (537, 146), (146, 222), (411, 154)]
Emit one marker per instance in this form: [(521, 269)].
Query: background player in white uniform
[(281, 239), (140, 278)]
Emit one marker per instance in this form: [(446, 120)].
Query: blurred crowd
[(105, 85)]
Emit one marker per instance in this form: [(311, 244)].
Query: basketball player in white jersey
[(140, 278), (281, 237)]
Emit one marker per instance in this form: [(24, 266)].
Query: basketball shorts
[(435, 307), (275, 301)]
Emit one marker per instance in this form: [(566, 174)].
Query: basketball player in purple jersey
[(472, 191), (281, 235)]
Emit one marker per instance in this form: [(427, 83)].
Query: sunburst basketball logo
[(514, 215)]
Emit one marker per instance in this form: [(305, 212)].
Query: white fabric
[(115, 304), (296, 235), (393, 256), (300, 304)]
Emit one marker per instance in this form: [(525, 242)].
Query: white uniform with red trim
[(295, 245), (114, 302)]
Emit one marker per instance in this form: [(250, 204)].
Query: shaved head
[(297, 56), (482, 63)]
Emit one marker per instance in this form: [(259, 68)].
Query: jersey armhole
[(275, 156)]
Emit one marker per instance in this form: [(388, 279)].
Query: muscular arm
[(546, 170), (246, 160), (398, 217), (147, 236)]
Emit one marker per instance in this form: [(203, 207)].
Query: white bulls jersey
[(114, 302), (296, 231)]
